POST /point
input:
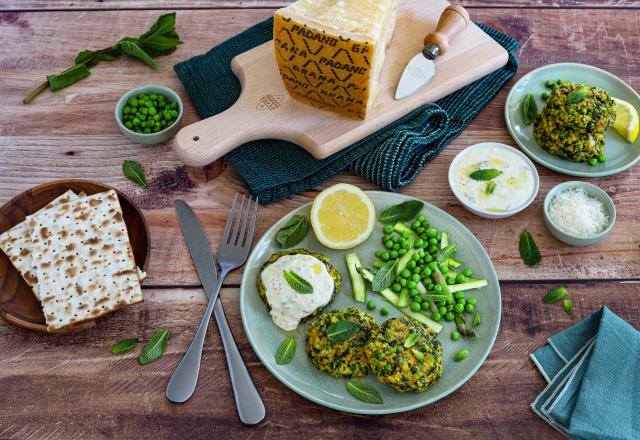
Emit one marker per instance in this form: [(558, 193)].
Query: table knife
[(422, 67), (250, 407)]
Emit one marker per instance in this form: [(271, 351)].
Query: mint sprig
[(161, 39)]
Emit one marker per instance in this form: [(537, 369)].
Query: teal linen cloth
[(391, 158), (593, 374)]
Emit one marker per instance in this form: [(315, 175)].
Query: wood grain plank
[(69, 386), (34, 5), (72, 133)]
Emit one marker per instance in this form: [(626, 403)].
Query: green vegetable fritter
[(412, 368), (333, 272), (573, 122), (340, 359)]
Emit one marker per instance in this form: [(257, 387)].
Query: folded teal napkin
[(391, 158), (593, 374)]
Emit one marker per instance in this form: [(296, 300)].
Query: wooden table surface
[(68, 387)]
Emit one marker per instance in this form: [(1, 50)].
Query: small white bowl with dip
[(502, 196)]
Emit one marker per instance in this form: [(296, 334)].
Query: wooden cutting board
[(264, 109)]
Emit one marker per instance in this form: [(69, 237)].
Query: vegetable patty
[(412, 368), (340, 359), (573, 122)]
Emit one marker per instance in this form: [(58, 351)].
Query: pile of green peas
[(420, 269), (149, 113)]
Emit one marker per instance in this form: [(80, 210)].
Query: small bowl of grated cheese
[(579, 213)]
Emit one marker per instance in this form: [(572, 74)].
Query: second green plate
[(621, 155)]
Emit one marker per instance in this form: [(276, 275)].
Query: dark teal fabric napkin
[(593, 374), (391, 158)]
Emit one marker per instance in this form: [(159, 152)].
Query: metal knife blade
[(198, 245), (418, 73)]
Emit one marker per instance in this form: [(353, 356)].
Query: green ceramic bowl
[(149, 138), (305, 379), (593, 191), (620, 154)]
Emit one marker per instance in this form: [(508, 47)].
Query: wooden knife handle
[(453, 21)]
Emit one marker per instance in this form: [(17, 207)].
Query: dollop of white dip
[(288, 307), (512, 188)]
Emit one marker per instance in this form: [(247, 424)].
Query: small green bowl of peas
[(149, 114)]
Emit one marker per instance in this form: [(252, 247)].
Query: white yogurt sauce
[(288, 307), (512, 188)]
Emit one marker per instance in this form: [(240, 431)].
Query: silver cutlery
[(232, 252)]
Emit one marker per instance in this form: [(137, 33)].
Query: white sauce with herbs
[(513, 186), (288, 307)]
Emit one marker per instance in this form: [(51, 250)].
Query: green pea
[(469, 308), (450, 281), (128, 124), (384, 311), (432, 249), (416, 256), (143, 124), (436, 316), (173, 105), (385, 256), (455, 335), (153, 111), (371, 304), (415, 225), (136, 121), (174, 113), (460, 278), (396, 287), (421, 218), (388, 229), (425, 306), (437, 288), (393, 254), (402, 251), (467, 272), (426, 272), (147, 130), (461, 355), (144, 110), (449, 317), (411, 264), (433, 241), (593, 162), (163, 122), (399, 348), (549, 83), (602, 158), (431, 232), (442, 310), (559, 81), (444, 268), (133, 102), (428, 258), (433, 265), (388, 244), (419, 243), (415, 277), (545, 95), (403, 282), (411, 284), (471, 300), (458, 308), (413, 292), (396, 247), (415, 306)]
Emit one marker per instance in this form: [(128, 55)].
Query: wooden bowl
[(18, 304)]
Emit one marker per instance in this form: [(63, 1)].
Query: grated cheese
[(576, 213)]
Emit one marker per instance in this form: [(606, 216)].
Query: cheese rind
[(330, 52)]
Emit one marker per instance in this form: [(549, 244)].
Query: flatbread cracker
[(83, 260), (16, 243)]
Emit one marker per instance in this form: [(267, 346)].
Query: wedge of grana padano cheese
[(330, 52)]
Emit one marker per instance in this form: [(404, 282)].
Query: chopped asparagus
[(472, 284), (357, 282), (444, 241)]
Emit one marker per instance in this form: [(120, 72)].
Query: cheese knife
[(248, 402), (422, 67)]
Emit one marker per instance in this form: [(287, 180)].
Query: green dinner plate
[(305, 379), (620, 153)]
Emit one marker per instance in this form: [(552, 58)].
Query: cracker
[(16, 243), (83, 260)]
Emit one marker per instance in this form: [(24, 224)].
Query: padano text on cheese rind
[(330, 52)]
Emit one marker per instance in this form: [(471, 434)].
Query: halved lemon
[(342, 216), (627, 121)]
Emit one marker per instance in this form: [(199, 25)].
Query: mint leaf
[(485, 174), (364, 392), (342, 330), (401, 212), (555, 295), (528, 249), (134, 171), (293, 232), (164, 24), (133, 49), (124, 346), (384, 277), (411, 340), (155, 347), (285, 352), (578, 96), (297, 283), (68, 77)]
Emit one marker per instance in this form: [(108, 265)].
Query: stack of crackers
[(76, 256)]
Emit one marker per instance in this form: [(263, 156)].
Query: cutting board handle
[(453, 21), (205, 141)]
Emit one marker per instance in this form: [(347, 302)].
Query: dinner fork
[(233, 251)]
